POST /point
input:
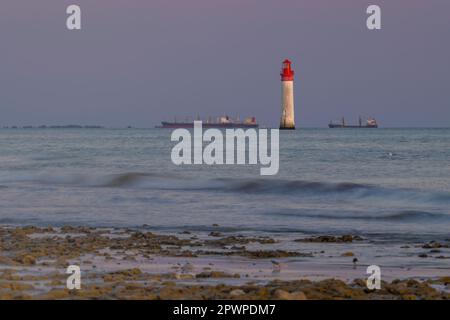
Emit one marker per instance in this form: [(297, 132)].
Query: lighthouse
[(287, 121)]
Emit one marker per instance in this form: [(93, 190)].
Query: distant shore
[(69, 126), (77, 126), (137, 264)]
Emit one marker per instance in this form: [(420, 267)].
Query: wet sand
[(139, 264)]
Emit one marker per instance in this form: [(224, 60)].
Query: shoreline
[(121, 263)]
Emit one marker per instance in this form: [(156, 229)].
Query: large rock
[(284, 295)]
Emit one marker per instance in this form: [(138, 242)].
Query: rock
[(284, 295), (237, 292), (265, 254), (27, 260), (398, 288), (349, 238), (298, 295), (344, 238), (7, 261), (217, 274), (215, 234), (16, 286), (444, 280), (360, 283), (187, 267), (56, 294), (183, 276), (434, 245), (348, 254), (123, 275)]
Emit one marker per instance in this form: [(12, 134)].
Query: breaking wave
[(403, 216), (124, 180), (120, 180), (244, 186), (313, 188), (290, 186)]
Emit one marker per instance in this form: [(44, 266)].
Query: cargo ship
[(370, 123), (223, 122)]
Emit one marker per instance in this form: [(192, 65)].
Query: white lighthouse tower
[(287, 121)]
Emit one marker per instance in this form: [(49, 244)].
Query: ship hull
[(333, 126), (190, 125)]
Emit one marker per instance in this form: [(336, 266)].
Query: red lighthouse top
[(287, 74)]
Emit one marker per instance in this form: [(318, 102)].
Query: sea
[(388, 184)]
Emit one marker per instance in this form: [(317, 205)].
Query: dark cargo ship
[(220, 123), (370, 123)]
